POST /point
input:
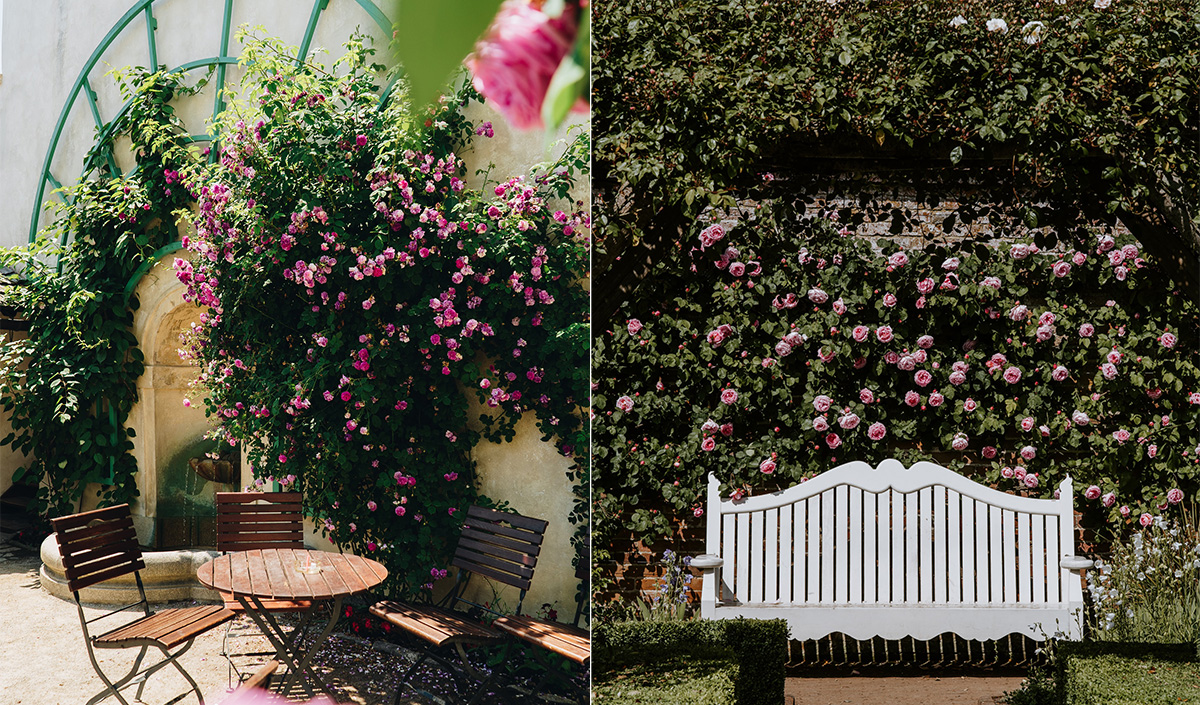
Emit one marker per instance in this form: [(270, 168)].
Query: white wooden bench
[(895, 552)]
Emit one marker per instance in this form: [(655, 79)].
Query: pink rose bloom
[(738, 494), (957, 378), (1087, 330), (876, 431), (795, 339), (1019, 251), (1168, 340), (889, 299), (698, 512), (1006, 472), (907, 363), (1019, 312), (923, 378), (1045, 333), (1019, 472), (960, 442), (1046, 319), (729, 396), (822, 403), (912, 398), (767, 466), (1116, 257), (1130, 251), (1060, 373), (782, 349), (839, 306), (920, 356), (737, 269), (1113, 356), (950, 264), (833, 441), (1145, 519), (514, 61), (817, 296), (1031, 480), (989, 452), (716, 337), (936, 399), (884, 334), (898, 259), (849, 421), (969, 405), (709, 443), (709, 426), (726, 429), (925, 285), (960, 366), (1174, 495), (1028, 452), (866, 396), (1105, 243), (711, 235), (950, 283), (891, 357), (1061, 269), (1028, 423), (925, 342), (1125, 511), (1080, 418), (861, 362), (860, 333), (1120, 273), (1121, 435), (826, 355), (1109, 370), (1152, 450), (1154, 393), (1109, 499), (634, 326), (1079, 258), (1194, 398), (820, 424), (1045, 430), (625, 403), (1012, 375)]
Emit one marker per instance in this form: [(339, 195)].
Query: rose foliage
[(370, 319)]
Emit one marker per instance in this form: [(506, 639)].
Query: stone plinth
[(168, 575)]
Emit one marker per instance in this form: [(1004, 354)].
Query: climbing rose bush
[(369, 318), (774, 347)]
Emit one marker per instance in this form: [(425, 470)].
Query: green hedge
[(759, 648), (1120, 673)]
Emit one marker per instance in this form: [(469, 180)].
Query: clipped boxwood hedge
[(759, 648), (1120, 673)]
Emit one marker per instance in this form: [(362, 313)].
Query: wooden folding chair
[(499, 546), (102, 544), (256, 520)]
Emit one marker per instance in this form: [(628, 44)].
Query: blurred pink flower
[(876, 431), (1012, 375), (1168, 340), (1060, 373), (514, 61), (634, 326), (817, 296), (767, 466), (1109, 499), (729, 396), (820, 424), (923, 378), (989, 452), (912, 398), (822, 403), (625, 403), (969, 405), (884, 334), (849, 421), (1092, 492), (860, 333), (936, 398), (866, 396), (1125, 511), (708, 444), (1146, 520), (960, 441), (833, 441), (1174, 495), (1031, 480)]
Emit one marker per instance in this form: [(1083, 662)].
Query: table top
[(272, 574)]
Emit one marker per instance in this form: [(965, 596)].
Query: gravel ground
[(43, 659)]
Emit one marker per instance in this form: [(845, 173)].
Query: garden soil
[(43, 659), (902, 687)]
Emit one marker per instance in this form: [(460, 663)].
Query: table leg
[(287, 652), (316, 646)]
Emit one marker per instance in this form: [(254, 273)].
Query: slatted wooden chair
[(257, 520), (99, 545), (498, 546)]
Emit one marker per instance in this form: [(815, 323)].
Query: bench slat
[(995, 558), (971, 575), (1009, 533), (828, 569), (729, 548), (855, 540), (756, 557), (1039, 559), (940, 544), (787, 554), (1024, 569), (1053, 588)]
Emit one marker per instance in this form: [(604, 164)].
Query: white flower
[(1033, 32), (958, 21), (999, 25), (1102, 4)]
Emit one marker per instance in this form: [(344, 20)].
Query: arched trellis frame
[(104, 137)]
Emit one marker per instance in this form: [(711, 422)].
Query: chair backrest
[(97, 545), (502, 546), (255, 520)]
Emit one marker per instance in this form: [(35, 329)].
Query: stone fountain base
[(168, 575)]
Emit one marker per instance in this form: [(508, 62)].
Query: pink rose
[(1046, 319), (737, 269), (989, 452), (839, 306), (925, 342), (960, 366), (833, 441), (889, 300), (817, 296), (1045, 333), (826, 355), (1019, 472), (898, 259), (1116, 257), (1060, 373), (1006, 472), (923, 378), (716, 337), (936, 398), (1079, 258), (1152, 450), (1080, 418), (969, 405), (1109, 499), (1113, 356), (1125, 511), (698, 512), (860, 333), (820, 424), (634, 326), (1028, 423), (925, 285), (711, 235), (876, 431), (960, 442), (861, 362), (726, 429), (1087, 330), (1130, 251), (920, 356), (1109, 370), (1174, 495), (1031, 480), (1012, 375), (957, 378), (884, 334), (1121, 435), (729, 396), (891, 357), (906, 363), (709, 443), (1019, 312), (782, 349), (518, 55), (1028, 452), (1045, 430), (1061, 269), (737, 494), (767, 466), (991, 283), (912, 398), (1145, 519), (1168, 340), (822, 403), (950, 264), (795, 339), (1194, 398), (1105, 243), (625, 403), (1019, 251), (709, 426), (866, 396), (849, 421)]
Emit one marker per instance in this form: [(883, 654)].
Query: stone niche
[(176, 508)]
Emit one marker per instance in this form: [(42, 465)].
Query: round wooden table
[(275, 574)]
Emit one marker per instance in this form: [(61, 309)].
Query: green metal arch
[(220, 61)]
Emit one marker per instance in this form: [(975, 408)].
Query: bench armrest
[(707, 562), (1075, 563)]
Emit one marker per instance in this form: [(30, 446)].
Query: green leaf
[(433, 38)]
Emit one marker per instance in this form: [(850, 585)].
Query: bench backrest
[(97, 545), (258, 520), (862, 535)]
